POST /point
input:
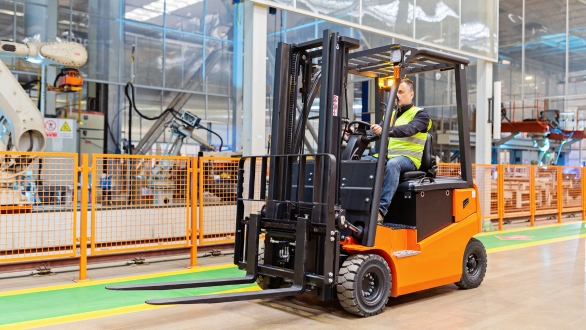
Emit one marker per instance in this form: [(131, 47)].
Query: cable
[(132, 104), (209, 130), (110, 127)]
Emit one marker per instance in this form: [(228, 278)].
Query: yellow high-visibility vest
[(412, 146)]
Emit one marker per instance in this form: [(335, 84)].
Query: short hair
[(409, 83)]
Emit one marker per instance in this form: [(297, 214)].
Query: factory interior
[(224, 163)]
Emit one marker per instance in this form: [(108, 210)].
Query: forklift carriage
[(319, 211)]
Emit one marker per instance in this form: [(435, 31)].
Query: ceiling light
[(506, 62), (10, 12), (155, 9), (529, 78)]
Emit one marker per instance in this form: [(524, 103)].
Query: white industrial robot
[(22, 126)]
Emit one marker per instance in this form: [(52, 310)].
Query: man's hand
[(376, 129)]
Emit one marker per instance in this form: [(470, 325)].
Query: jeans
[(393, 169)]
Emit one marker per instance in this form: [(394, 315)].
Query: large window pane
[(545, 48), (478, 27), (509, 67), (220, 119), (148, 64), (188, 19), (183, 64), (347, 10), (577, 54), (220, 18), (7, 16), (394, 16), (437, 21), (219, 69), (145, 11)]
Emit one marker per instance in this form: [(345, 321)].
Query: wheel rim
[(371, 286), (473, 264)]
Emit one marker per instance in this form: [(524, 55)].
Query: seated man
[(406, 143)]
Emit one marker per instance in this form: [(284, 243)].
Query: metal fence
[(218, 179), (38, 208), (53, 207), (139, 203), (524, 191)]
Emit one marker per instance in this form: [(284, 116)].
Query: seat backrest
[(428, 158)]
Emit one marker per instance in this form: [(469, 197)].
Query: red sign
[(51, 134), (515, 238), (335, 106), (50, 125)]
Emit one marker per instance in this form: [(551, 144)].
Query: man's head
[(405, 93)]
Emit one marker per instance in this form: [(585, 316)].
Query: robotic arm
[(22, 127)]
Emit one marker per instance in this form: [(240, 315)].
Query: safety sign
[(51, 128), (65, 128), (58, 128)]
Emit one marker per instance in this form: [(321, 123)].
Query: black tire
[(474, 265), (364, 284)]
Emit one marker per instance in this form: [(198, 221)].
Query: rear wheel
[(473, 266), (364, 284)]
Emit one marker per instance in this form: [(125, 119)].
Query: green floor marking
[(41, 305), (534, 235), (55, 303)]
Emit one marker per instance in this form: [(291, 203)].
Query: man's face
[(404, 94)]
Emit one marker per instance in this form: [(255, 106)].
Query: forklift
[(318, 212)]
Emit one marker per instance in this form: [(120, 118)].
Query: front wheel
[(364, 284), (473, 266)]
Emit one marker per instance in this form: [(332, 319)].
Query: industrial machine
[(319, 219), (21, 123)]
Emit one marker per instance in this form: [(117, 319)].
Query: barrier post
[(532, 203), (85, 170), (194, 170), (583, 186), (501, 194), (559, 193), (201, 177)]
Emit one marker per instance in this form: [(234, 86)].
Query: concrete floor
[(540, 287)]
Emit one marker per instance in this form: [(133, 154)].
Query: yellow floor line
[(529, 244), (98, 314), (489, 233), (113, 280)]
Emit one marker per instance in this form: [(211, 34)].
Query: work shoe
[(381, 217)]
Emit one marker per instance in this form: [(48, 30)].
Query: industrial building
[(219, 155)]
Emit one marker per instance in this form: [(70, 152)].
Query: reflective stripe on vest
[(412, 146)]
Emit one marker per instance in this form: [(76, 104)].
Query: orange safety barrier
[(139, 203), (486, 179), (38, 206), (218, 179)]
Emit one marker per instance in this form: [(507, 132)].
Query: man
[(406, 143)]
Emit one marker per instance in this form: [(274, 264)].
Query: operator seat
[(428, 166)]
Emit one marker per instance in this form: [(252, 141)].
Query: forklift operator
[(406, 143)]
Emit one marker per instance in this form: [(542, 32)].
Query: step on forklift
[(318, 212)]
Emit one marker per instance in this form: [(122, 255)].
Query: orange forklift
[(318, 211)]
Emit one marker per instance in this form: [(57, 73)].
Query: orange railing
[(523, 191), (134, 203)]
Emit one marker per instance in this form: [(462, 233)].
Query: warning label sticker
[(58, 128), (65, 128), (335, 106)]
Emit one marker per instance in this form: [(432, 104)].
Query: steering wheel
[(361, 126)]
